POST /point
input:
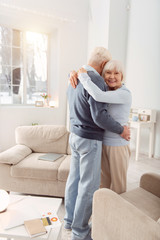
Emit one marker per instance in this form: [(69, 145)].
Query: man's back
[(81, 114)]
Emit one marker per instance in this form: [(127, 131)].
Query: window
[(23, 66)]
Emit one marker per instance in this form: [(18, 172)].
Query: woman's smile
[(113, 78)]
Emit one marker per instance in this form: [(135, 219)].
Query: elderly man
[(88, 119)]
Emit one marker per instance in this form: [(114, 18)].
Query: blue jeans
[(82, 182)]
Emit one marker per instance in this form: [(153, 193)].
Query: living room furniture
[(143, 118), (42, 204), (20, 169), (132, 215), (4, 200)]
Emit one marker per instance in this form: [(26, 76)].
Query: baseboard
[(145, 153)]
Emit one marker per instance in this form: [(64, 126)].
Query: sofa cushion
[(145, 201), (63, 170), (43, 138), (14, 154), (31, 167)]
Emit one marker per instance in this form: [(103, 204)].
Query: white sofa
[(20, 169)]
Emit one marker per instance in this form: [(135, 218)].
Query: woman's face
[(113, 78)]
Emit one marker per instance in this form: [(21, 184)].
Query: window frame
[(24, 65)]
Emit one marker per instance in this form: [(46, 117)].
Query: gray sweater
[(89, 118), (119, 107)]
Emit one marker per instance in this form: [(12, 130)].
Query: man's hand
[(74, 76), (126, 133), (73, 79)]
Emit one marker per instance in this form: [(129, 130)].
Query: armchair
[(132, 215)]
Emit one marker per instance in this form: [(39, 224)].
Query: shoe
[(74, 237), (67, 226)]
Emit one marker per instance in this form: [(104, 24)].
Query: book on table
[(50, 219), (35, 227)]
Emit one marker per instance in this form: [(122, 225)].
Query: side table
[(139, 125)]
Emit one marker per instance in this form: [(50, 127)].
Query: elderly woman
[(116, 152)]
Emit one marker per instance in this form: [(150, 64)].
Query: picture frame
[(38, 103)]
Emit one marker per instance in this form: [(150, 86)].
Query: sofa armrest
[(151, 183), (14, 154), (114, 218)]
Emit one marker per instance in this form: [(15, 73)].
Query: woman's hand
[(73, 79), (82, 70)]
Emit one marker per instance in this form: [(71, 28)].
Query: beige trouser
[(115, 160)]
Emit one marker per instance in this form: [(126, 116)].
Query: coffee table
[(42, 204)]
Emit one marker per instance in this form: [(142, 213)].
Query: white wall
[(143, 63), (132, 34), (69, 52), (118, 29), (108, 26), (98, 25)]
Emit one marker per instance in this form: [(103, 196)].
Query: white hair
[(114, 65), (99, 55)]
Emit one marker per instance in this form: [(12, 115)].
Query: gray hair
[(99, 55), (114, 64)]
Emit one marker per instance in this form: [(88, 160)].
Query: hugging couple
[(99, 105)]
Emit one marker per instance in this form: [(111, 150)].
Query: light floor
[(135, 171)]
